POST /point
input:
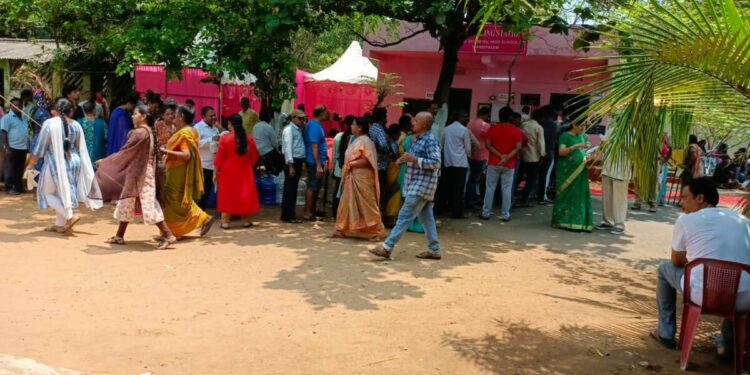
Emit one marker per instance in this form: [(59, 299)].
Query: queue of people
[(153, 158)]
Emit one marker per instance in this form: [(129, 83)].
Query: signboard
[(495, 41)]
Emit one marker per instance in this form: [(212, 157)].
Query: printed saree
[(358, 213)]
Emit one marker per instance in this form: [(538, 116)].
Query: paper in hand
[(30, 176)]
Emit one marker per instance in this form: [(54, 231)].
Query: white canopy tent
[(351, 67)]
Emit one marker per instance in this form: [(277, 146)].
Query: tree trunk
[(451, 43), (510, 79)]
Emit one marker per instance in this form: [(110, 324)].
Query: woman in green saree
[(572, 210)]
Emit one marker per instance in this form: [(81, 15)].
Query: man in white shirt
[(616, 173), (707, 232), (268, 146), (456, 151), (207, 145), (293, 148)]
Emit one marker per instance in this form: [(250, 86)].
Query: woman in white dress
[(67, 176)]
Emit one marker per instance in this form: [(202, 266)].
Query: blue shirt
[(314, 133), (292, 145), (377, 134), (17, 129), (422, 177)]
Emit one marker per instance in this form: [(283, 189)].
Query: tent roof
[(351, 67), (21, 49)]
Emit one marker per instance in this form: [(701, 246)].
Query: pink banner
[(495, 41)]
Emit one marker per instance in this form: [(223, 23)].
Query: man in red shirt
[(503, 141)]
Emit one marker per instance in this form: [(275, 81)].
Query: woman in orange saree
[(359, 213), (184, 182)]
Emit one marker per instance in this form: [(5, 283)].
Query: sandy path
[(515, 298)]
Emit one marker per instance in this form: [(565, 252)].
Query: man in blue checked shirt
[(422, 171)]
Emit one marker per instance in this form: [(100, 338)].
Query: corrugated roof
[(22, 49)]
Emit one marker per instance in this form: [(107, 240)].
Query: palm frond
[(673, 61)]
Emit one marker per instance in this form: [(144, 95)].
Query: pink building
[(541, 75)]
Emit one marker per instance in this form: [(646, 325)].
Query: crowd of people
[(154, 158)]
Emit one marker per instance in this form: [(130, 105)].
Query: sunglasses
[(301, 118)]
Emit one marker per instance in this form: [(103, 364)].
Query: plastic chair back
[(721, 279)]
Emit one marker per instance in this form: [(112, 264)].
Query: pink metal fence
[(193, 86)]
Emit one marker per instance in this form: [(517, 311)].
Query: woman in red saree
[(233, 175), (359, 213)]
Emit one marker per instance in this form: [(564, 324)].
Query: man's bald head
[(422, 122)]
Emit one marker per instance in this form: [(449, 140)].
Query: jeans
[(14, 166), (476, 169), (545, 174), (505, 175), (668, 283), (413, 207), (455, 180), (208, 187), (289, 199), (531, 172)]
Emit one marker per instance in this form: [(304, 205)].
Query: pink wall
[(542, 75), (545, 69)]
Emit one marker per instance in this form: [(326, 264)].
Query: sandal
[(73, 221), (312, 218), (165, 242), (248, 225), (293, 221), (224, 226), (381, 252), (667, 343), (115, 240), (429, 255), (54, 229), (207, 226)]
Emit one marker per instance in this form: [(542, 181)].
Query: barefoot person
[(184, 182), (358, 214), (128, 176), (423, 167), (67, 176)]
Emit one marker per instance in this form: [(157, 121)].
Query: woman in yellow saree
[(184, 182), (394, 201), (358, 213)]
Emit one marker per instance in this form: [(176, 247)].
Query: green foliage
[(688, 58), (387, 84), (315, 51)]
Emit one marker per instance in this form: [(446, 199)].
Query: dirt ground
[(507, 298)]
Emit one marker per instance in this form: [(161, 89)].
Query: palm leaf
[(673, 61)]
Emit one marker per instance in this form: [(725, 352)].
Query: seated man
[(704, 231)]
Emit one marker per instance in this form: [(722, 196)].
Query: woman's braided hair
[(64, 107)]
